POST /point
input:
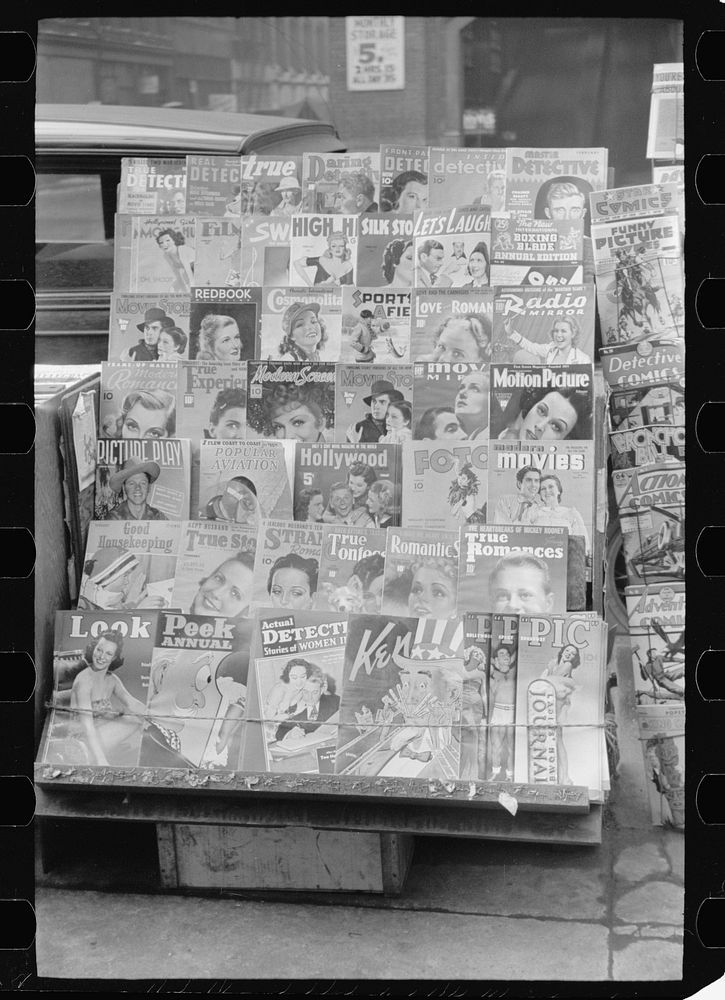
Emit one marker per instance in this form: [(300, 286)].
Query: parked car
[(78, 167)]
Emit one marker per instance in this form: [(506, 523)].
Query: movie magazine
[(651, 501), (351, 569), (271, 184), (140, 327), (356, 484), (444, 483), (215, 568), (450, 401), (224, 323), (138, 400), (404, 178), (452, 324), (477, 630), (512, 568), (401, 701), (101, 665), (460, 176), (536, 251), (265, 250), (287, 566), (291, 400), (301, 324), (639, 268), (213, 185), (543, 325), (375, 325), (294, 699), (128, 565), (385, 249), (152, 186), (452, 247), (143, 479), (218, 252), (666, 132), (340, 182), (421, 573), (541, 403), (503, 669), (244, 481), (197, 694), (374, 403), (154, 254), (323, 250), (560, 701)]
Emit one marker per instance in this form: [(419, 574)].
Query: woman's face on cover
[(225, 592), (306, 331), (297, 676), (477, 265), (432, 594), (404, 267), (230, 426), (562, 334), (445, 425), (291, 589), (472, 398), (228, 343), (103, 654), (166, 344), (551, 419), (549, 492), (395, 419), (141, 422), (316, 507), (166, 243), (299, 424)]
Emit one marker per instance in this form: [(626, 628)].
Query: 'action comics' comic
[(651, 502)]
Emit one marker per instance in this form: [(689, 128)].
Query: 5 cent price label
[(375, 52)]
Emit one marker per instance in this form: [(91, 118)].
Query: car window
[(69, 209)]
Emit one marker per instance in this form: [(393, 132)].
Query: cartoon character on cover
[(113, 579), (290, 194), (514, 508), (543, 414), (220, 339), (372, 427), (134, 480), (171, 344), (398, 263), (478, 268), (463, 492), (438, 423), (178, 256), (304, 333), (154, 321), (503, 709), (227, 590), (408, 192), (560, 350), (317, 712), (428, 698), (471, 404), (558, 672), (397, 421), (237, 502), (430, 263), (333, 267), (292, 582), (461, 338), (552, 512), (383, 503), (520, 583), (473, 715), (231, 682), (294, 413), (227, 419), (147, 413)]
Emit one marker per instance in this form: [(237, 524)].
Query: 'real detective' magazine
[(375, 325), (351, 569), (215, 569), (245, 481), (213, 185), (444, 483), (144, 479)]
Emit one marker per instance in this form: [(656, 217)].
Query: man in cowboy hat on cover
[(154, 321), (288, 189), (134, 479), (372, 427)]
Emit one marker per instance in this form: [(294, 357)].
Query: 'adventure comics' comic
[(651, 502), (444, 484)]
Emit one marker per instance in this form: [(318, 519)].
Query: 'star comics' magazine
[(215, 569), (301, 324), (144, 479), (444, 484), (375, 326)]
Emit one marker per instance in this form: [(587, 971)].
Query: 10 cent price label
[(375, 53)]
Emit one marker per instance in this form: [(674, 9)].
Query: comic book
[(98, 721), (373, 403), (542, 402), (128, 565), (452, 325), (197, 694), (271, 184), (159, 471), (421, 573), (351, 569), (287, 566), (244, 481), (673, 174), (640, 366), (215, 569), (385, 249), (154, 254), (543, 325), (213, 185), (647, 406), (323, 250), (639, 268), (663, 746), (666, 131), (291, 400), (355, 484), (647, 444), (450, 401), (295, 692), (651, 502), (403, 178), (451, 247), (332, 182), (527, 251), (656, 615), (467, 176), (266, 250), (444, 484), (401, 703), (218, 252), (138, 400), (615, 204), (375, 325), (301, 324), (503, 671), (224, 323), (513, 568), (477, 630), (137, 325), (152, 185)]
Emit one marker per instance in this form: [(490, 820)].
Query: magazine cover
[(375, 326), (638, 366), (355, 484), (421, 574), (560, 701), (154, 254), (451, 247), (148, 327), (477, 630), (656, 615), (651, 503), (374, 404), (673, 174), (138, 401), (401, 702), (129, 565), (244, 481), (544, 325), (271, 184), (291, 400), (323, 250), (647, 406), (403, 178), (385, 249), (452, 325), (287, 566), (527, 251), (213, 185), (266, 250), (637, 446), (351, 569), (512, 568), (640, 282), (503, 671), (542, 403), (341, 183), (662, 734), (152, 186), (666, 132), (197, 694), (294, 704), (142, 480), (450, 401), (614, 204), (444, 484), (224, 323), (467, 176), (218, 252), (301, 324), (215, 569), (101, 665)]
